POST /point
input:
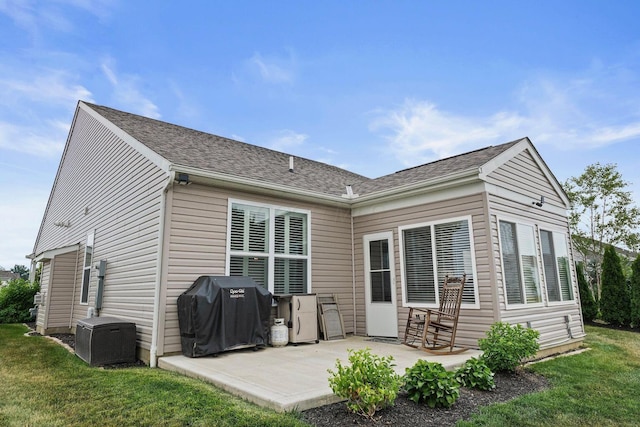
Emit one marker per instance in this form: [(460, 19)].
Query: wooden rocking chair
[(435, 330)]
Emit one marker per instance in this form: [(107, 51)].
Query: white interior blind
[(529, 260), (418, 265), (564, 271), (511, 266), (453, 255), (549, 263)]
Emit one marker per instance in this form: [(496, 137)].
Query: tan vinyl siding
[(473, 322), (196, 241), (63, 275), (105, 185), (549, 319), (523, 176)]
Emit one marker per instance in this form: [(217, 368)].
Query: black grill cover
[(219, 313)]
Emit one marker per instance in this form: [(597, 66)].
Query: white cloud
[(54, 87), (286, 139), (127, 93), (47, 139), (272, 69), (21, 216), (27, 100), (34, 16), (588, 111)]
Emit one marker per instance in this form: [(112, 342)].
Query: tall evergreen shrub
[(589, 307), (635, 292), (615, 303)]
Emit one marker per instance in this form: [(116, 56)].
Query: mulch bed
[(407, 413)]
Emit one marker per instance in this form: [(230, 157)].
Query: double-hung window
[(432, 251), (271, 245), (519, 263), (557, 273)]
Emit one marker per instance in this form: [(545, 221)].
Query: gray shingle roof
[(187, 147), (439, 168)]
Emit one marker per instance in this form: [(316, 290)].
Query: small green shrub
[(430, 383), (507, 346), (475, 374), (369, 383), (16, 298)]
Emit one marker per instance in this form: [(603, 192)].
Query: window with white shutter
[(432, 251), (519, 263), (271, 245), (557, 271)]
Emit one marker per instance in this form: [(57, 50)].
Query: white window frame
[(538, 252), (557, 231), (438, 286), (271, 254), (84, 290)]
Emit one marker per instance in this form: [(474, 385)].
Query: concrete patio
[(293, 377)]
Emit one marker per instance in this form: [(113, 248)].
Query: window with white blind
[(519, 263), (430, 252), (271, 245), (557, 273), (86, 269)]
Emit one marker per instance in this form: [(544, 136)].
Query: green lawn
[(42, 384), (600, 387)]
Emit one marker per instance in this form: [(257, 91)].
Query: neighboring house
[(162, 205), (6, 276)]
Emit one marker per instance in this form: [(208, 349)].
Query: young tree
[(635, 292), (602, 214), (615, 304), (22, 270), (589, 307)]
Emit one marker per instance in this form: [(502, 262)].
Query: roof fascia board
[(419, 187), (502, 158), (431, 195), (524, 144), (239, 183), (147, 152), (50, 254)]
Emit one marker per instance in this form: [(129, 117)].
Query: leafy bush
[(430, 383), (615, 303), (475, 374), (369, 383), (506, 346), (16, 298)]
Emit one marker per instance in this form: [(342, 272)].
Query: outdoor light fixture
[(183, 179), (540, 203)]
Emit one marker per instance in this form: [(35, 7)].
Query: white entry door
[(380, 289)]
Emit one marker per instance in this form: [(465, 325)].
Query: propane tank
[(279, 333)]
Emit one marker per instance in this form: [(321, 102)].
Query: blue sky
[(371, 86)]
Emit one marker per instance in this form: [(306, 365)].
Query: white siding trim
[(420, 199), (148, 153), (524, 145), (50, 254)]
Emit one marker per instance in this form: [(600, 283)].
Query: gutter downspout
[(153, 352), (353, 275)]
